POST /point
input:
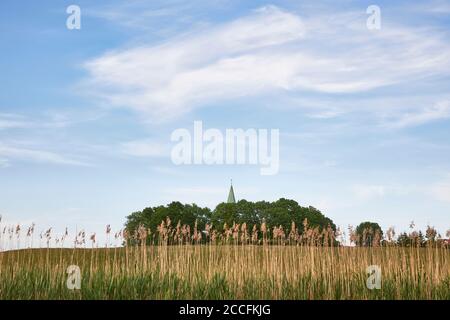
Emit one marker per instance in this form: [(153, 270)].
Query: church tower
[(231, 198)]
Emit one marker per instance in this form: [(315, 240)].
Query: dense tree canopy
[(275, 214), (278, 213), (368, 234), (413, 239), (186, 214)]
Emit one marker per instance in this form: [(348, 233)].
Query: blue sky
[(86, 115)]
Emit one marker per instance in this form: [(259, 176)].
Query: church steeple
[(231, 198)]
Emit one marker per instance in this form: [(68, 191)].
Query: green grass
[(226, 272)]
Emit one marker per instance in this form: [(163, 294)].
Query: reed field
[(238, 269)]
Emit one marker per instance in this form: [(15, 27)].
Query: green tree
[(414, 239), (368, 234), (186, 214), (278, 213), (403, 240), (225, 213)]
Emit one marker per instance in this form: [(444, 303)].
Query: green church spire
[(231, 198)]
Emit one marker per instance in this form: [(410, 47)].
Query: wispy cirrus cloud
[(377, 191), (269, 51), (12, 121), (174, 77), (8, 152), (436, 7), (438, 111), (32, 138), (145, 15), (148, 148), (49, 119)]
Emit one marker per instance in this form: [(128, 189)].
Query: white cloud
[(439, 111), (158, 18), (47, 120), (145, 148), (9, 121), (26, 154), (373, 191), (266, 52), (440, 7), (325, 114)]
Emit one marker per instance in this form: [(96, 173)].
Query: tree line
[(282, 221), (282, 215)]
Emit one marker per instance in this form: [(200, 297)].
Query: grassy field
[(226, 272)]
